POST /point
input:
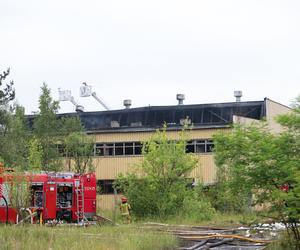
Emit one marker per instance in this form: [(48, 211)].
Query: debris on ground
[(243, 238)]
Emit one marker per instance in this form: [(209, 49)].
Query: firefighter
[(125, 210)]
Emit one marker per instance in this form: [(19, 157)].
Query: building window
[(104, 149), (129, 148), (119, 148), (138, 148), (135, 148), (200, 146), (99, 149), (105, 186), (209, 146), (109, 149), (190, 147)]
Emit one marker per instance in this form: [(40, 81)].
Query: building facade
[(119, 134)]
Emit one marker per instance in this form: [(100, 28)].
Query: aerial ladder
[(65, 95), (86, 91)]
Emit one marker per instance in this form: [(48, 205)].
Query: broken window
[(129, 148), (135, 148), (190, 147), (105, 186), (200, 146), (99, 149), (108, 149), (119, 148), (209, 146), (138, 148)]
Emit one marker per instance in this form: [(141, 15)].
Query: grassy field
[(93, 237), (135, 236)]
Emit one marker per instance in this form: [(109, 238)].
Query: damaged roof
[(152, 117)]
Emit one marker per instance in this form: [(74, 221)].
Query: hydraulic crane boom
[(86, 91)]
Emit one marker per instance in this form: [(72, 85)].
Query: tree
[(70, 125), (252, 159), (35, 155), (78, 147), (8, 93), (15, 139), (67, 133), (158, 186), (46, 130)]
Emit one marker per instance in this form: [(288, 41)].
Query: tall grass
[(67, 237)]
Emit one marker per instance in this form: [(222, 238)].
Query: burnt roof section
[(152, 117)]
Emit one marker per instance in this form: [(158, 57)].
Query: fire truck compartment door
[(50, 201)]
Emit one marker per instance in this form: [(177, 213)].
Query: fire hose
[(225, 236)]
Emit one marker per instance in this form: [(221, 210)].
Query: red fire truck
[(54, 197)]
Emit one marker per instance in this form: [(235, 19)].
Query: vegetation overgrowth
[(33, 237), (160, 186), (38, 143), (262, 168)]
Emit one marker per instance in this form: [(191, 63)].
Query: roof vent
[(238, 94), (79, 109), (127, 103), (180, 98)]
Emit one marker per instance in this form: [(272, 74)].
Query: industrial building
[(119, 134)]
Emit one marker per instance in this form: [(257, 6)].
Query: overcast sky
[(149, 51)]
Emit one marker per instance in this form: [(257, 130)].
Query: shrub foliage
[(251, 159), (159, 186)]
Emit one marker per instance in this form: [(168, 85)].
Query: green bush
[(159, 185), (141, 195), (148, 197), (197, 208), (224, 200)]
